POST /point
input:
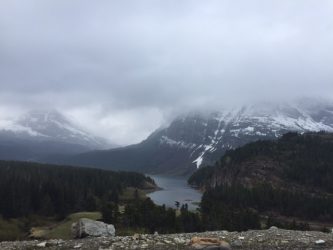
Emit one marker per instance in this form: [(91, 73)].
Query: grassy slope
[(62, 230), (11, 229), (47, 228)]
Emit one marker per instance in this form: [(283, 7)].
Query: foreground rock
[(209, 243), (86, 227), (252, 240)]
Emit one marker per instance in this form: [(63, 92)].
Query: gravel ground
[(255, 239)]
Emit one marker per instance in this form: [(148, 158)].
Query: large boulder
[(86, 227)]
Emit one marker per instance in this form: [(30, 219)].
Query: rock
[(54, 242), (209, 243), (42, 244), (86, 227), (167, 241), (179, 241), (78, 246), (320, 242), (237, 243), (273, 228), (136, 237), (253, 240)]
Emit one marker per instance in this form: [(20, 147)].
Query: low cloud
[(123, 68)]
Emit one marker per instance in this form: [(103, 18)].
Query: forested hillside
[(290, 177), (50, 190), (37, 195)]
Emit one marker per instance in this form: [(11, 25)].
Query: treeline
[(142, 215), (238, 207), (51, 190), (305, 159), (247, 189), (202, 176)]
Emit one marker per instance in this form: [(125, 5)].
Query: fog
[(123, 68)]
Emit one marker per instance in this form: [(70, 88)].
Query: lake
[(174, 189)]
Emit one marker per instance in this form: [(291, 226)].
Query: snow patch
[(166, 140)]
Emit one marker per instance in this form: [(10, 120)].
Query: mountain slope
[(198, 139), (39, 134), (284, 180), (294, 162)]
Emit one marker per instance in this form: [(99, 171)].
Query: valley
[(166, 125), (243, 163)]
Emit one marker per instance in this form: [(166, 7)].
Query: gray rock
[(320, 242), (237, 243), (42, 244), (250, 240), (86, 227), (78, 246)]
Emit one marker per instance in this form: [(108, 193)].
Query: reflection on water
[(174, 189)]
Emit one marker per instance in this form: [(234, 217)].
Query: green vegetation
[(44, 200), (50, 190), (239, 208), (251, 187), (62, 229), (291, 177), (198, 178), (11, 229), (304, 159), (129, 193), (147, 217), (43, 196)]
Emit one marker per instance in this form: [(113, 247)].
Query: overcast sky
[(123, 68)]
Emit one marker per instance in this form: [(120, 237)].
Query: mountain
[(198, 139), (38, 135)]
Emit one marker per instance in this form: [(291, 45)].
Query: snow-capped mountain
[(38, 134), (197, 139), (207, 137)]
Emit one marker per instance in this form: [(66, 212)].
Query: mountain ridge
[(38, 134), (198, 139)]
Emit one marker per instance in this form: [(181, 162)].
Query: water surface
[(174, 189)]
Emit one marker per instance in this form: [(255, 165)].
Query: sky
[(123, 68)]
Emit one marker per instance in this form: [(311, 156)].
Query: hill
[(291, 177), (49, 190)]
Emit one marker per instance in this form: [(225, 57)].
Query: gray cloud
[(129, 65)]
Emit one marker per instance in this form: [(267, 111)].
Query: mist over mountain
[(38, 134), (123, 71), (198, 138)]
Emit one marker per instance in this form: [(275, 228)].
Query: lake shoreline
[(174, 190)]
